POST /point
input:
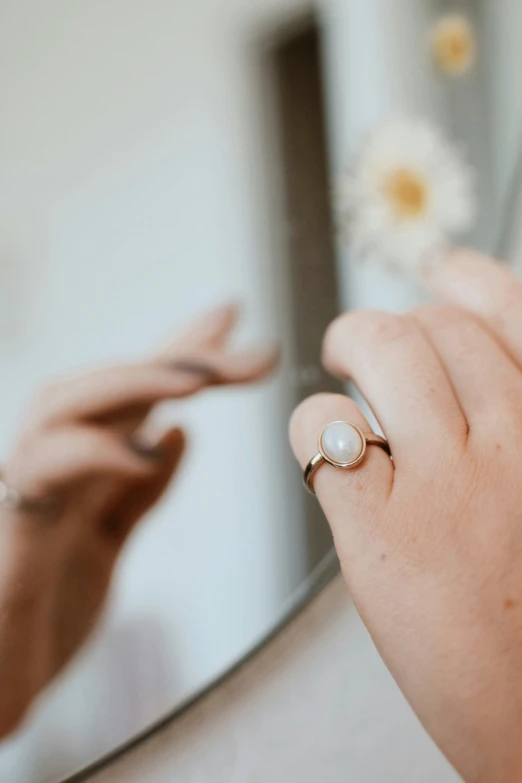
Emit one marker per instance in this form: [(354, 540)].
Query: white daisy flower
[(454, 44), (408, 192)]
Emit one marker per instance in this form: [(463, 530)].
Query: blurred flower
[(454, 44), (407, 193)]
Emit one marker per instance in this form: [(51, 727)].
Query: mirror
[(159, 159)]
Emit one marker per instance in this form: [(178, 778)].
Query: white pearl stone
[(341, 443)]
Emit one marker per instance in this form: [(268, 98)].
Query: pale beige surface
[(316, 705)]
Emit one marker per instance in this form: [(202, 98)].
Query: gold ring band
[(348, 456)]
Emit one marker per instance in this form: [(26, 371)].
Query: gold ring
[(343, 445)]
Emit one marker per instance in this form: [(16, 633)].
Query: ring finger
[(482, 375), (362, 487), (397, 371), (352, 499)]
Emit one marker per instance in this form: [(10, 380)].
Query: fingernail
[(144, 450), (218, 318), (267, 353), (209, 374)]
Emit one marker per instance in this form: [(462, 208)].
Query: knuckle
[(513, 297), (339, 324), (511, 310), (371, 326), (383, 329), (100, 446), (440, 317), (511, 407), (90, 445), (336, 333)]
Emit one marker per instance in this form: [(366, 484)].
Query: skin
[(83, 444), (431, 544)]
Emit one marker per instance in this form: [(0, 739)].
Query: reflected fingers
[(44, 465), (117, 390)]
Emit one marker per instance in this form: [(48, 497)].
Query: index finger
[(130, 388), (111, 390), (489, 289), (210, 332)]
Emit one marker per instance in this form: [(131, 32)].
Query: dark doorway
[(310, 250)]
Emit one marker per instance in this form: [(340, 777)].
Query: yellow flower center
[(407, 193), (454, 45)]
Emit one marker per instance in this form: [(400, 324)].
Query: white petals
[(408, 192), (454, 44)]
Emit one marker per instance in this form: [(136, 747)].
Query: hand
[(81, 445), (431, 544)]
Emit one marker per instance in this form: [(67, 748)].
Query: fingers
[(398, 372), (117, 390), (482, 375), (135, 500), (48, 464), (476, 283), (225, 369), (202, 349), (245, 366), (349, 498), (211, 331), (123, 396), (111, 390)]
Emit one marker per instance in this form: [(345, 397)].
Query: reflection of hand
[(79, 446), (431, 545)]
